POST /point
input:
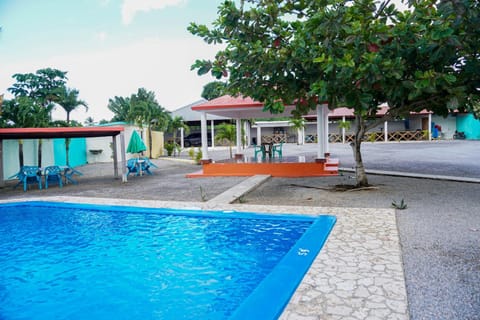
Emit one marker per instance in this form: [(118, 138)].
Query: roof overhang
[(240, 108), (63, 132)]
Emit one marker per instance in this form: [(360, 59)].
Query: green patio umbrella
[(136, 145)]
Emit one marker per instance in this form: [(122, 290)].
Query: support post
[(115, 156), (429, 127), (343, 130), (182, 136), (246, 128), (385, 130), (325, 130), (2, 178), (320, 134), (203, 124), (212, 129), (238, 127), (122, 155), (259, 135)]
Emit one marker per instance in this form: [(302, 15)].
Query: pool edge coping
[(314, 297)]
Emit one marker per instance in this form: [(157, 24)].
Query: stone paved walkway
[(357, 275)]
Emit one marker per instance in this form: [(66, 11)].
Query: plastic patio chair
[(28, 175), (132, 166), (146, 164), (259, 149), (53, 174), (69, 172), (277, 148)]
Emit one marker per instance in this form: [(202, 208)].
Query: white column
[(238, 126), (115, 156), (212, 130), (122, 155), (429, 127), (320, 133), (325, 128), (182, 136), (303, 136), (343, 129), (2, 178), (203, 124), (385, 130), (259, 135), (246, 128)]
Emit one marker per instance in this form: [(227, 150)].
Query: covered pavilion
[(239, 108), (67, 132)]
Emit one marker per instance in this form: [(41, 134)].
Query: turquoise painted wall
[(468, 124), (77, 153)]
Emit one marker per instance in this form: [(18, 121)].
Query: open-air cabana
[(67, 132), (239, 108)]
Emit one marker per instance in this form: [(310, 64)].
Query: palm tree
[(89, 121), (299, 124), (226, 131), (145, 110), (69, 101), (120, 107), (175, 124)]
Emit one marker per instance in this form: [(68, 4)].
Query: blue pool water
[(70, 261)]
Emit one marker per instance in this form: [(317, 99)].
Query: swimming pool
[(74, 261)]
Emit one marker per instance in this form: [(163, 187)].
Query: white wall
[(11, 162)]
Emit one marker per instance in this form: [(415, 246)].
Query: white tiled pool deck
[(357, 275)]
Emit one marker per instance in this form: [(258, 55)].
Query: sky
[(108, 47)]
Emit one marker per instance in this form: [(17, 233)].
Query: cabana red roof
[(63, 132)]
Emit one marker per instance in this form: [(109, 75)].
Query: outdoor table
[(267, 149)]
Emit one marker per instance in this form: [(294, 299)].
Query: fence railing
[(374, 136)]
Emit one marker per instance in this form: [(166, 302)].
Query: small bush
[(198, 156), (191, 153), (169, 146), (400, 206)]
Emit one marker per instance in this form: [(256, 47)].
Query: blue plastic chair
[(53, 174), (146, 164), (69, 172), (28, 175), (132, 166)]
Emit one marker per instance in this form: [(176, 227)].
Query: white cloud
[(131, 7), (159, 65)]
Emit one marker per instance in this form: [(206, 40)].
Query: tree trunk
[(67, 149), (360, 174), (40, 142), (149, 128), (20, 153)]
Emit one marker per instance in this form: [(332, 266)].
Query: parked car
[(195, 139)]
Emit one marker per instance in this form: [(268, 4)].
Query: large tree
[(24, 112), (41, 89), (357, 54), (213, 90), (120, 106), (142, 109)]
